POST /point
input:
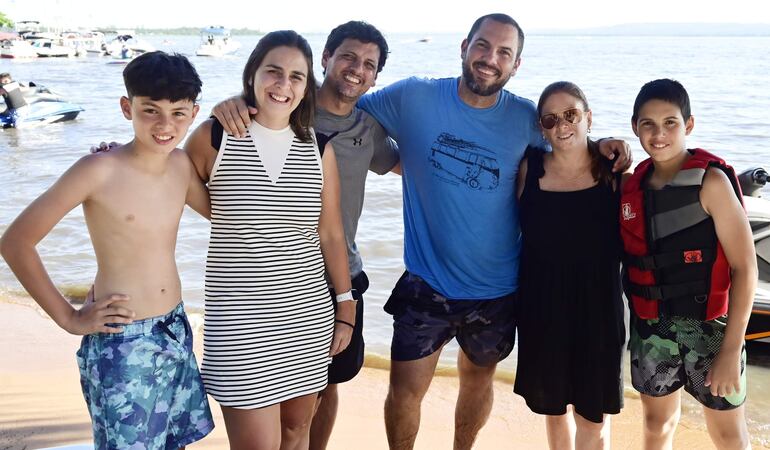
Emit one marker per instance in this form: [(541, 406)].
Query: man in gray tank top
[(355, 52)]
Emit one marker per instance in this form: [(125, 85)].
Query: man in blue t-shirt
[(460, 143)]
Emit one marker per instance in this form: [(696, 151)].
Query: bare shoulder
[(96, 166), (328, 148), (717, 193), (715, 182), (179, 157)]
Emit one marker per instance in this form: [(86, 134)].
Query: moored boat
[(17, 48), (216, 41)]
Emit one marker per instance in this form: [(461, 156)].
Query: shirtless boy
[(138, 373)]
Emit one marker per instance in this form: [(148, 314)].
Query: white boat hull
[(218, 49)]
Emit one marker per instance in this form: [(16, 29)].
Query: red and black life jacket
[(674, 263)]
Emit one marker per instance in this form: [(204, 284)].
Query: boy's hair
[(665, 89), (301, 118), (5, 75), (599, 169), (501, 18), (360, 31), (162, 76)]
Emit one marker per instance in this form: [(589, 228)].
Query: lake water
[(725, 76)]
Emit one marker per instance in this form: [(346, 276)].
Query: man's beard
[(339, 89), (476, 88)]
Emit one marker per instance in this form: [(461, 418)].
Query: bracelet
[(344, 322), (345, 297)]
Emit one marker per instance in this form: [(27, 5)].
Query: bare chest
[(138, 206)]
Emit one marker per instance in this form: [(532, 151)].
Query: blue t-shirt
[(459, 165)]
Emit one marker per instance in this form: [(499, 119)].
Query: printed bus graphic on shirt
[(466, 162)]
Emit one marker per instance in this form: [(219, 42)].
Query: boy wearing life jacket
[(690, 264)]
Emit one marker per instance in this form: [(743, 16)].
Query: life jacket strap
[(669, 259), (697, 289)]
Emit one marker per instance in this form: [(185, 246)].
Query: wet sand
[(41, 404)]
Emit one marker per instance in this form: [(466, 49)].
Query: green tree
[(5, 21)]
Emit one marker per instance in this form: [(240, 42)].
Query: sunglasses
[(572, 115)]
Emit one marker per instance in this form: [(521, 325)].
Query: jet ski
[(34, 106), (39, 93), (758, 209)]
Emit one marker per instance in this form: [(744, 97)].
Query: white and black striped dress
[(269, 318)]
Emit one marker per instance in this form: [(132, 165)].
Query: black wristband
[(344, 322)]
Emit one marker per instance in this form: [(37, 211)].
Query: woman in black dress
[(571, 331)]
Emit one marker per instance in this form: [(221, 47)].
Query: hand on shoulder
[(104, 147)]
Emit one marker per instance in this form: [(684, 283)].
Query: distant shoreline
[(185, 31), (629, 29), (666, 29)]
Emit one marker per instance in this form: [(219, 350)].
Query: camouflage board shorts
[(672, 352), (424, 320), (142, 385)]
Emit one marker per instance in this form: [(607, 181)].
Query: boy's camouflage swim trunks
[(142, 385), (672, 352)]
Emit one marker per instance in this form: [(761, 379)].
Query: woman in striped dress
[(270, 327)]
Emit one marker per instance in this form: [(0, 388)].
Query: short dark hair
[(665, 89), (301, 118), (502, 18), (162, 76), (5, 74), (360, 31)]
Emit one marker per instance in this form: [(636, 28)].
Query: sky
[(431, 16)]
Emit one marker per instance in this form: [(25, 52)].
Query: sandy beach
[(41, 404)]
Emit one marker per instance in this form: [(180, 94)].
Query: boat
[(52, 48), (122, 55), (23, 27), (216, 41), (40, 113), (34, 93), (17, 48), (84, 42), (758, 209), (39, 106), (125, 42)]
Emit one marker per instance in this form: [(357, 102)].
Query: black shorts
[(424, 320), (346, 364)]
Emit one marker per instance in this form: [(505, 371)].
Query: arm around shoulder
[(197, 196), (198, 148), (385, 157), (234, 115)]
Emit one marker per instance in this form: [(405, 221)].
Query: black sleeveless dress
[(571, 330)]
